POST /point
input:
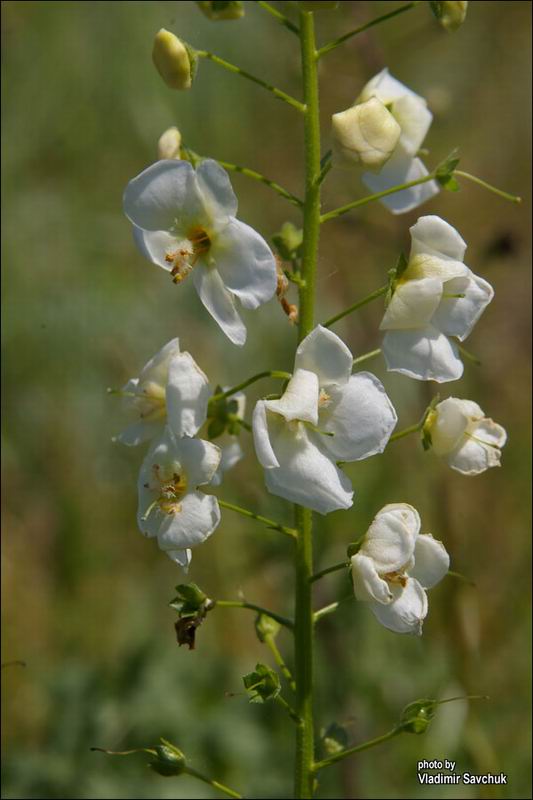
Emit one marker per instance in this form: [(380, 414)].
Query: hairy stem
[(360, 303), (268, 373), (287, 623), (337, 212), (303, 620), (281, 18), (327, 762)]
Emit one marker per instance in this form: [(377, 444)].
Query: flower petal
[(472, 457), (199, 459), (263, 448), (215, 186), (449, 425), (190, 526), (219, 302), (299, 400), (390, 539), (386, 88), (306, 475), (432, 562), (187, 395), (367, 584), (162, 194), (412, 305), (360, 415), (456, 316), (155, 371), (414, 118), (402, 168), (407, 611), (181, 557), (140, 432), (154, 246), (245, 263), (325, 354), (488, 431), (431, 234), (424, 354)]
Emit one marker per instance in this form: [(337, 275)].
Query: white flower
[(394, 567), (436, 297), (366, 133), (231, 450), (414, 118), (325, 415), (170, 507), (171, 389), (184, 221), (464, 436)]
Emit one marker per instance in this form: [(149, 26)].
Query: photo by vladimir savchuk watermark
[(443, 772)]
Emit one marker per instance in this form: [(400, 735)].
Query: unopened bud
[(169, 760), (266, 627), (169, 144), (451, 15), (174, 60), (416, 716), (222, 9), (366, 134)]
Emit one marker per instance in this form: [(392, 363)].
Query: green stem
[(278, 658), (215, 784), (290, 711), (406, 431), (281, 18), (512, 197), (366, 357), (332, 45), (258, 176), (337, 212), (303, 620), (469, 356), (270, 523), (327, 762), (269, 373), (327, 570), (238, 71), (368, 299), (287, 623)]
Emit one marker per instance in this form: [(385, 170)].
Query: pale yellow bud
[(169, 144), (173, 60), (451, 15), (365, 134)]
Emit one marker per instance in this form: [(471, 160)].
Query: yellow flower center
[(184, 258)]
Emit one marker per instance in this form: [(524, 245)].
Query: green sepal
[(416, 716), (262, 684), (445, 170), (189, 600), (221, 9)]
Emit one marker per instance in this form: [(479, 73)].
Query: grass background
[(84, 595)]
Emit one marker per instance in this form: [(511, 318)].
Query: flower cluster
[(170, 400), (184, 220)]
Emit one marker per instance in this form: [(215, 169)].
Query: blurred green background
[(84, 594)]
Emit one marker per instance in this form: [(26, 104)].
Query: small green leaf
[(445, 170), (216, 428)]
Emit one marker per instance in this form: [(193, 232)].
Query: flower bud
[(222, 9), (169, 760), (450, 15), (169, 144), (319, 5), (174, 61), (266, 627), (416, 716), (366, 134)]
